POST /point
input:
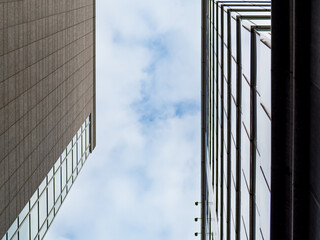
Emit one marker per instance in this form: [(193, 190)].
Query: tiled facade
[(47, 90)]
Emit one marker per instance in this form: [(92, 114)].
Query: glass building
[(47, 109), (260, 158), (236, 122)]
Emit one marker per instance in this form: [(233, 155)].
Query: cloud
[(144, 175)]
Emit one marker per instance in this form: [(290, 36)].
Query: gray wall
[(47, 89)]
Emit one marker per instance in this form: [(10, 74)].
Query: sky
[(142, 179)]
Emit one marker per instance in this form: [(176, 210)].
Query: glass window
[(69, 147), (42, 208), (50, 195), (57, 164), (225, 61), (34, 198), (50, 217), (63, 155), (74, 157), (83, 144), (87, 136), (79, 149), (24, 212), (57, 206), (69, 165), (57, 185), (64, 193), (42, 185), (245, 108), (43, 230), (234, 38), (245, 152), (264, 141), (34, 222), (245, 51), (24, 230), (264, 74), (13, 228), (50, 174), (63, 173)]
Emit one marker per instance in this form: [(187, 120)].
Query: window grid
[(27, 225)]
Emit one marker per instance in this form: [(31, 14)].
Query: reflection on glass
[(42, 208), (34, 222), (13, 228), (50, 194), (34, 219), (24, 212), (57, 185), (24, 230)]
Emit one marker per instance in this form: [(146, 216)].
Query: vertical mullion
[(229, 125), (238, 130), (253, 137), (221, 119)]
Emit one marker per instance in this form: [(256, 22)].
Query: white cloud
[(144, 175)]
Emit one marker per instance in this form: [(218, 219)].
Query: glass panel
[(50, 217), (43, 230), (63, 155), (79, 166), (50, 174), (245, 108), (69, 165), (83, 144), (79, 133), (15, 237), (245, 152), (57, 185), (264, 74), (57, 206), (24, 212), (42, 185), (64, 193), (75, 173), (42, 208), (57, 164), (4, 237), (74, 157), (50, 195), (63, 173), (79, 149), (24, 230), (234, 38), (69, 183), (245, 51), (34, 198), (13, 228), (264, 141), (69, 147), (87, 136), (34, 222)]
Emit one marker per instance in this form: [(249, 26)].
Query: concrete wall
[(47, 89)]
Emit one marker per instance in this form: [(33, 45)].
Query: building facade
[(260, 120), (236, 120), (47, 108)]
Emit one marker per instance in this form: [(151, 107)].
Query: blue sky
[(142, 179)]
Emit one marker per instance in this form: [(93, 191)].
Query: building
[(47, 108), (260, 128)]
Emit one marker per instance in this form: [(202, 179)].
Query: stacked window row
[(36, 217), (238, 119)]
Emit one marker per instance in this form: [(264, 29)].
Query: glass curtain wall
[(38, 214), (237, 120)]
